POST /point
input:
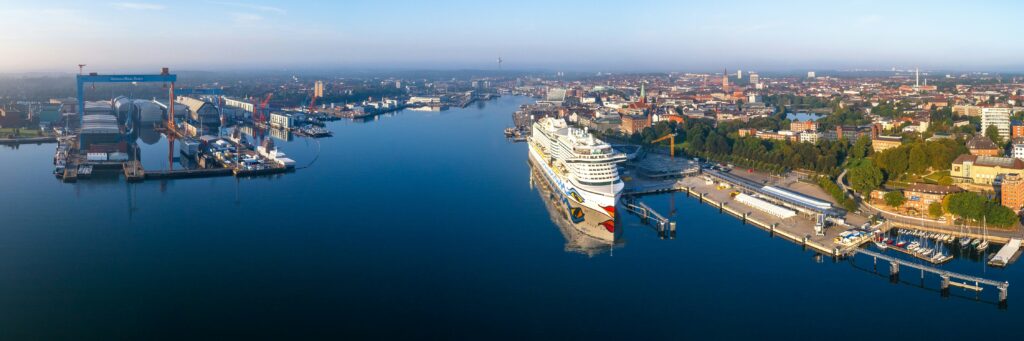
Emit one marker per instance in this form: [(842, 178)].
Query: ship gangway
[(946, 277), (648, 215)]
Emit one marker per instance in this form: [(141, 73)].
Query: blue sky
[(591, 35)]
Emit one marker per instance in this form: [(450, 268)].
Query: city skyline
[(573, 36)]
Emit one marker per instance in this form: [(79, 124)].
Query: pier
[(28, 140), (187, 173), (665, 227), (800, 230), (946, 277)]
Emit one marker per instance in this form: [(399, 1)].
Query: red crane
[(261, 111), (312, 103)]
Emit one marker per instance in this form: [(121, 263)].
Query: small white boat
[(983, 245)]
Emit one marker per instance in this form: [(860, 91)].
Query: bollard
[(894, 272), (944, 286)]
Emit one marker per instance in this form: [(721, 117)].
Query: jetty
[(947, 278), (1007, 254), (665, 227)]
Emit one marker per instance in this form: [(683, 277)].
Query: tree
[(860, 148), (935, 209), (918, 162), (999, 215), (865, 178), (895, 198), (967, 205), (893, 161), (993, 133)]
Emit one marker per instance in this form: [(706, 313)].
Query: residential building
[(810, 136), (967, 110), (807, 125), (635, 123), (1011, 191), (919, 195), (1017, 149), (998, 117), (983, 170), (1016, 129), (318, 89), (982, 145), (880, 143)]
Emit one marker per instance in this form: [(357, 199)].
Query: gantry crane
[(672, 144)]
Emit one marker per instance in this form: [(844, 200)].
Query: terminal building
[(801, 203)]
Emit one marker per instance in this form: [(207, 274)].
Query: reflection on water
[(583, 228)]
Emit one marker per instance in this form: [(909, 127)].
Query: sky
[(560, 35)]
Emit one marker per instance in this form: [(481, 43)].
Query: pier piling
[(672, 230), (944, 286), (894, 272), (1002, 296)]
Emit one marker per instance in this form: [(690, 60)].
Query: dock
[(28, 140), (1007, 254), (187, 173), (665, 227), (800, 230), (133, 171), (946, 277)]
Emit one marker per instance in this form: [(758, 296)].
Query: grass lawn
[(937, 177)]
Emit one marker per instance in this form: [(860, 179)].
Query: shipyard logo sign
[(127, 79)]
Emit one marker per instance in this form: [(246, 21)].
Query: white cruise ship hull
[(577, 195)]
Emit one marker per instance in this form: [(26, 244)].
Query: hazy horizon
[(638, 36)]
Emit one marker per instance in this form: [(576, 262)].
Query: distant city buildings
[(318, 89)]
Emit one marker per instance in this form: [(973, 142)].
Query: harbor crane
[(672, 144), (261, 110)]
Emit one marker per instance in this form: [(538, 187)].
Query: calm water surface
[(422, 224)]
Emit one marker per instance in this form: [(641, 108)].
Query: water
[(422, 224), (803, 116)]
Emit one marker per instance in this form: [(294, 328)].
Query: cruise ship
[(580, 167), (578, 224)]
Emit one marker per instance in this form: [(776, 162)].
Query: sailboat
[(984, 237)]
